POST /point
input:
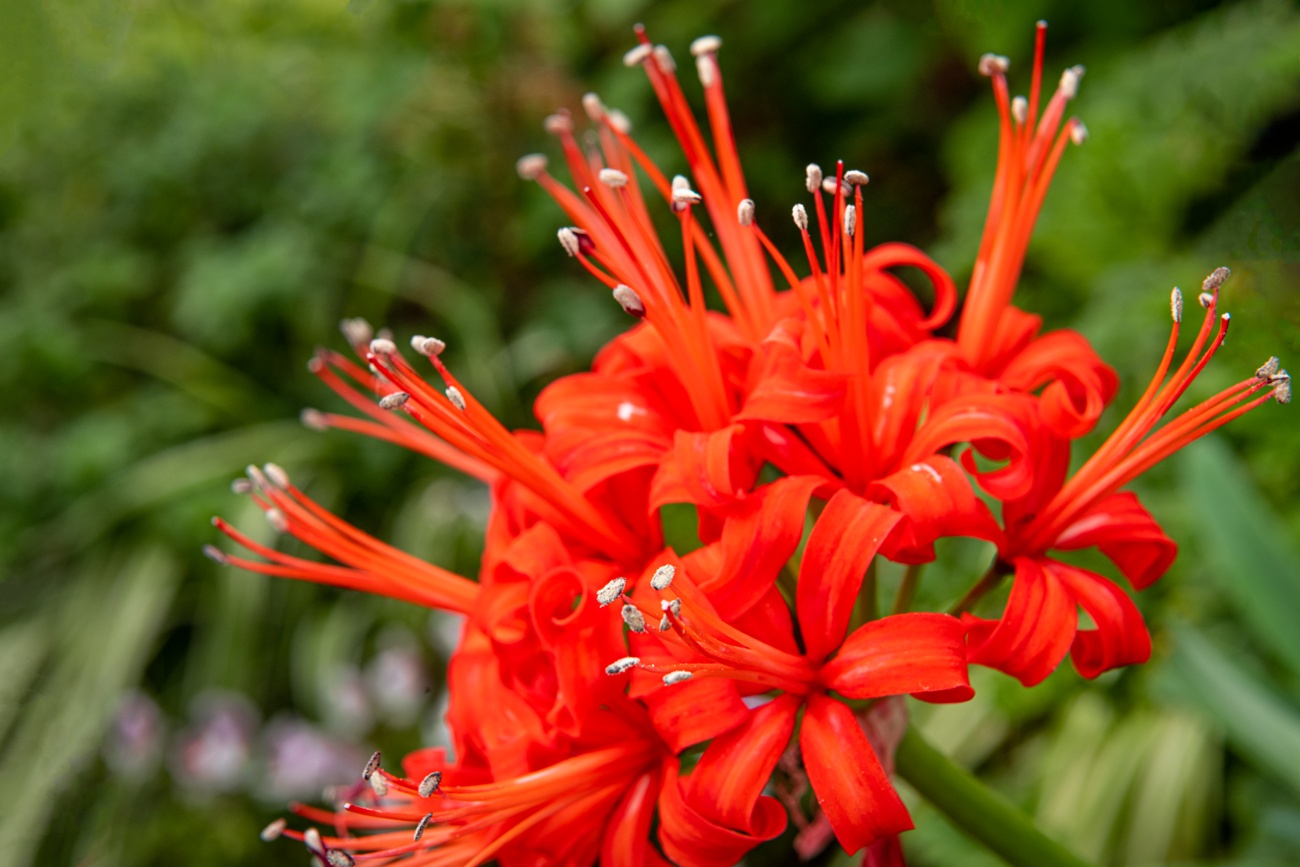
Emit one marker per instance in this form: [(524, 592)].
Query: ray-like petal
[(907, 653)]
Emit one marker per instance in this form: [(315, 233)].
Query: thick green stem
[(992, 578), (976, 809), (907, 588)]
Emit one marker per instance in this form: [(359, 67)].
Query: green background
[(193, 194)]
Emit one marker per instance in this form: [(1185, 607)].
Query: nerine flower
[(827, 400)]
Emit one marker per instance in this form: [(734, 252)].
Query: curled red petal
[(895, 255), (691, 840), (689, 713), (1121, 636), (841, 545), (1126, 533), (936, 500), (703, 468), (914, 653), (1035, 631), (851, 786), (1079, 384), (998, 426), (786, 389), (627, 833)]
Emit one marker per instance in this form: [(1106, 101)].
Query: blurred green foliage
[(192, 195)]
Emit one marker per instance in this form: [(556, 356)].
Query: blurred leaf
[(1258, 723), (1249, 556)]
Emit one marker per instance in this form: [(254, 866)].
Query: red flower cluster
[(814, 427)]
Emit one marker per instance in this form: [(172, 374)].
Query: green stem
[(976, 809), (992, 578), (907, 588)]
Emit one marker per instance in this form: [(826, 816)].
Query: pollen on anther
[(241, 486), (558, 123), (394, 400), (531, 166), (1070, 81), (379, 785), (800, 217), (850, 220), (1282, 388), (665, 624), (430, 784), (568, 240), (856, 178), (813, 177), (682, 192), (664, 58), (633, 618), (372, 765), (339, 858), (216, 555), (457, 399), (628, 299), (1269, 369), (1078, 132), (419, 828), (383, 346), (428, 346), (745, 212), (1176, 304), (705, 45), (592, 105), (277, 475), (673, 605), (619, 666), (993, 64), (279, 523), (1216, 279), (313, 419), (676, 677), (611, 591), (619, 121), (613, 178), (1020, 109), (273, 830), (311, 837), (637, 55), (662, 579), (1206, 299)]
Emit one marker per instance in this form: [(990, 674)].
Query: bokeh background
[(193, 194)]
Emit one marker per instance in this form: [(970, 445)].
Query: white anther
[(457, 399), (1020, 109), (357, 331), (1176, 304), (592, 105), (665, 624), (382, 346), (313, 419), (637, 55), (855, 178), (279, 523), (633, 618), (568, 240), (379, 784), (311, 837), (663, 577), (531, 166), (372, 765), (394, 400), (619, 121), (277, 475), (420, 826), (813, 177), (613, 178), (241, 486), (683, 194), (1069, 86), (800, 217), (1282, 388), (216, 555), (339, 858), (630, 301), (993, 64), (611, 591), (1206, 299), (555, 124), (619, 666), (850, 220), (430, 784), (255, 475), (705, 45), (1269, 369), (671, 605), (1078, 132), (664, 58), (428, 346), (745, 212), (706, 67), (273, 830), (828, 187), (1216, 279), (676, 677)]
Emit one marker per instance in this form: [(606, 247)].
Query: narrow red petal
[(1035, 631), (1126, 533), (1121, 636), (907, 653), (936, 500), (691, 840)]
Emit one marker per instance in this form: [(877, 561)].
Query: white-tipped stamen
[(828, 187), (619, 666), (993, 64), (1176, 304), (676, 677), (706, 69), (613, 178), (394, 400), (457, 399), (630, 301), (800, 217), (662, 579), (611, 591), (619, 121), (313, 419), (1206, 299), (664, 58), (273, 830), (379, 784), (1269, 369), (850, 220), (276, 475), (216, 555), (855, 178), (672, 605), (1069, 86), (813, 177), (382, 346), (372, 765), (745, 212), (705, 45), (428, 346), (530, 166), (1020, 109), (1216, 279), (357, 331), (1282, 387), (241, 486), (420, 826), (637, 55), (430, 784), (311, 837), (339, 858), (255, 476), (1078, 132), (633, 618), (665, 624), (682, 192), (558, 123), (568, 240), (279, 523), (592, 105)]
